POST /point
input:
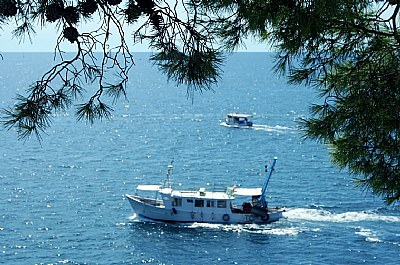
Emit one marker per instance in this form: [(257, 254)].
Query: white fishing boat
[(237, 120), (232, 205)]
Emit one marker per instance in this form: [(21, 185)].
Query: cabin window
[(210, 203), (177, 202), (199, 203), (189, 200), (221, 204)]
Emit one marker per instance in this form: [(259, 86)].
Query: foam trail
[(248, 228), (326, 216), (237, 228), (266, 128), (369, 235), (277, 128)]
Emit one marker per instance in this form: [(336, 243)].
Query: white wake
[(303, 214)]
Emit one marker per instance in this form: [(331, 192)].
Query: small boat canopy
[(248, 191), (149, 187), (238, 115)]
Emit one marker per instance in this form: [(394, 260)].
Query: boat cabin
[(238, 119), (209, 201)]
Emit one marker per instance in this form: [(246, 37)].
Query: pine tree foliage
[(348, 50)]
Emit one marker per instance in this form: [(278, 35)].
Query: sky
[(45, 41)]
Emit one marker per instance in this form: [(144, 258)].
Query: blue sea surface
[(62, 200)]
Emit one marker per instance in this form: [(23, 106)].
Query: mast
[(170, 167), (263, 200)]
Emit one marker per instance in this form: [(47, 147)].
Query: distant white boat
[(204, 206), (238, 120)]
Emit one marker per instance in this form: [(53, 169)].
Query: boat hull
[(233, 125), (157, 211)]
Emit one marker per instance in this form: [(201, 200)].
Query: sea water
[(62, 200)]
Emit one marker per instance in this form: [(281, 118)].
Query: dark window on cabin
[(199, 203), (221, 204), (177, 202), (190, 200), (210, 203)]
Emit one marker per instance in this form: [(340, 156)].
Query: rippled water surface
[(62, 201)]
